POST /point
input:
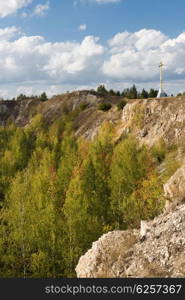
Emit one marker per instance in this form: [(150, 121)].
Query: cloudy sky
[(60, 45)]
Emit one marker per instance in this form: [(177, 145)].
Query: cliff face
[(149, 119), (87, 122), (157, 250), (152, 119)]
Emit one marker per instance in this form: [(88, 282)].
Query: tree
[(133, 92), (127, 169), (130, 93), (101, 90), (118, 93), (21, 97), (112, 92), (86, 207), (144, 94), (43, 97), (152, 93)]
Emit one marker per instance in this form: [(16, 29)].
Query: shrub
[(138, 116), (83, 106), (121, 104), (159, 150), (104, 106)]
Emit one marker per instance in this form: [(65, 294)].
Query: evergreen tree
[(102, 90), (152, 93), (43, 97), (144, 94)]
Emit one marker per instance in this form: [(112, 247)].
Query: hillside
[(148, 119), (73, 174)]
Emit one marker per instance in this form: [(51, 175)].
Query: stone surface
[(175, 186), (148, 119), (125, 254), (159, 118)]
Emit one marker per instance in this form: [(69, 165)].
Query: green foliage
[(87, 203), (152, 93), (104, 106), (83, 105), (145, 202), (21, 97), (121, 105), (101, 90), (43, 97), (138, 116), (136, 188), (144, 94), (58, 193), (127, 169), (159, 150)]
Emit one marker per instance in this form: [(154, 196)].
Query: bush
[(121, 105), (104, 106), (159, 150), (83, 106)]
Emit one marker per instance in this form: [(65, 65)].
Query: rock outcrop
[(154, 119), (148, 119), (175, 186), (159, 252), (174, 189), (87, 121)]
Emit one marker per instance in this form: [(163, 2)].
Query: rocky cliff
[(152, 119), (159, 252), (87, 122), (149, 119)]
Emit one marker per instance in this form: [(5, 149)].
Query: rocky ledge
[(156, 250)]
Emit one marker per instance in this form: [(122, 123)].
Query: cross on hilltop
[(161, 93)]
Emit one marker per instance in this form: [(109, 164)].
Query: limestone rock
[(123, 254), (175, 186), (153, 119)]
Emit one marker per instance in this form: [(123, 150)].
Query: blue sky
[(61, 45)]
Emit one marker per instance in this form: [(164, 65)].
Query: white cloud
[(134, 56), (33, 64), (8, 33), (82, 27), (8, 7), (41, 9), (30, 58)]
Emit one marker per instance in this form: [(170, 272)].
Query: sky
[(62, 45)]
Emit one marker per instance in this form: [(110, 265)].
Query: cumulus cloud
[(8, 33), (41, 9), (32, 63), (8, 7), (31, 58), (134, 56)]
